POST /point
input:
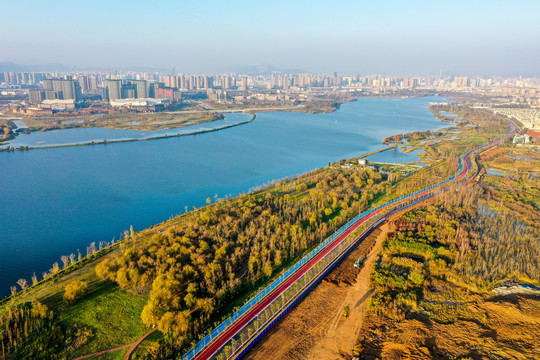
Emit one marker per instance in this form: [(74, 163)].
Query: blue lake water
[(55, 201), (395, 156), (498, 173), (87, 135)]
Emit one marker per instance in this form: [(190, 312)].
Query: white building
[(522, 139), (363, 161), (137, 102)]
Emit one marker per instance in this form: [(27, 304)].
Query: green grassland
[(434, 278), (298, 212), (134, 121), (112, 314)]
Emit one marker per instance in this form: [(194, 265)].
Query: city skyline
[(419, 38)]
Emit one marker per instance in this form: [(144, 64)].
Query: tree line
[(208, 258)]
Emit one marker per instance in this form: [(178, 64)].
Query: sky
[(376, 36)]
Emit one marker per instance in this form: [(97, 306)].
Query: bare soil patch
[(316, 327), (511, 333)]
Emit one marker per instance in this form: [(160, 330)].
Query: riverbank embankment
[(105, 142)]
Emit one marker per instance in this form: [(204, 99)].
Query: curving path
[(103, 352), (210, 350)]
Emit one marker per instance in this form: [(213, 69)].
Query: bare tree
[(22, 283), (13, 290), (65, 261), (71, 259), (34, 279), (55, 268), (91, 249)]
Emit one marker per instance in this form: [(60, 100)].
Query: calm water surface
[(55, 201), (87, 135)]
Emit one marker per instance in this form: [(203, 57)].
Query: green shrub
[(75, 290)]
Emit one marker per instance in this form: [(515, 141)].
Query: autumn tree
[(74, 290), (65, 261)]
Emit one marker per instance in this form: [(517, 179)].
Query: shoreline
[(114, 245), (204, 131), (374, 152), (9, 148), (105, 142)]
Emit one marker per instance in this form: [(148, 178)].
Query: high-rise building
[(49, 94), (48, 84), (410, 83), (226, 82), (38, 77), (183, 84), (128, 91), (83, 83), (88, 83), (11, 78), (114, 89), (35, 96), (276, 82), (461, 81), (156, 90), (244, 83), (159, 90), (64, 89), (325, 82), (141, 88), (285, 82)]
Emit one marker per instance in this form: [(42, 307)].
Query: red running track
[(235, 327), (229, 332)]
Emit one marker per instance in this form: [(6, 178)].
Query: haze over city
[(392, 37), (269, 180)]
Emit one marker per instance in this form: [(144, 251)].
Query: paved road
[(220, 340)]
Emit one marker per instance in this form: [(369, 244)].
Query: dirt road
[(316, 327)]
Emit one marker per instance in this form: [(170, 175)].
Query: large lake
[(55, 201), (87, 135)]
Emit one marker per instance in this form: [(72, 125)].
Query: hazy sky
[(375, 36)]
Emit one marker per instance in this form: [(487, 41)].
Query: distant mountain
[(262, 69), (11, 66), (265, 69), (14, 67)]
